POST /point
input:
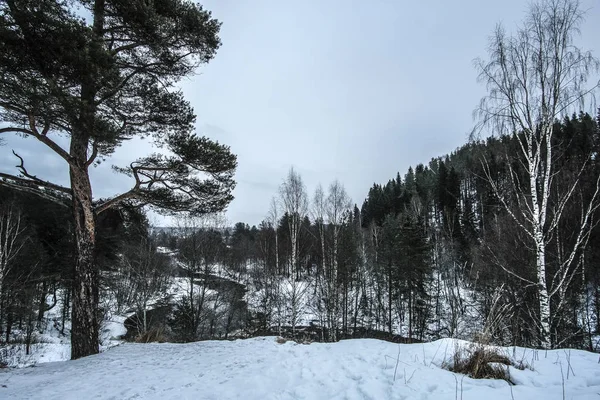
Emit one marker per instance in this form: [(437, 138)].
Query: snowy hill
[(260, 368)]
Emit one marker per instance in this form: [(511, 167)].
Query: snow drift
[(260, 368)]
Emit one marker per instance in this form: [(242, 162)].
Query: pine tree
[(98, 82)]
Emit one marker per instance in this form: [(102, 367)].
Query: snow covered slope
[(260, 368)]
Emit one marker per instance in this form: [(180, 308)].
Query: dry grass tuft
[(280, 340), (481, 362), (154, 334)]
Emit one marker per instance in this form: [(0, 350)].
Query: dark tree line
[(476, 245), (433, 253)]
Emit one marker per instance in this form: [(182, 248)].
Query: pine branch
[(27, 186)]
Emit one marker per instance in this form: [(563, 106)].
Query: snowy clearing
[(260, 368)]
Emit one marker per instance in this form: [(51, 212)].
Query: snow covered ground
[(260, 368), (51, 345)]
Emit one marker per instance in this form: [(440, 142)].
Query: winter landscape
[(262, 200)]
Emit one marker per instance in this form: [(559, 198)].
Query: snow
[(113, 329), (51, 345), (260, 368)]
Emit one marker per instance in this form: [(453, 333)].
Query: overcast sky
[(346, 90)]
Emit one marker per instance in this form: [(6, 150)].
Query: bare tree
[(276, 296), (264, 277), (534, 78), (294, 294), (149, 278), (273, 219), (198, 254), (320, 305), (363, 288), (337, 205), (319, 214), (295, 205), (12, 232)]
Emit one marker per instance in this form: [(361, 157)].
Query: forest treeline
[(436, 252)]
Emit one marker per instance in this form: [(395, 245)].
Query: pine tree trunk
[(85, 325), (84, 332)]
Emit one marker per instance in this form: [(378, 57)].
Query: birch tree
[(273, 220), (535, 77), (295, 204), (294, 201), (319, 212), (337, 205), (321, 304)]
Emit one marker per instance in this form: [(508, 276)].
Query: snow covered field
[(260, 368)]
